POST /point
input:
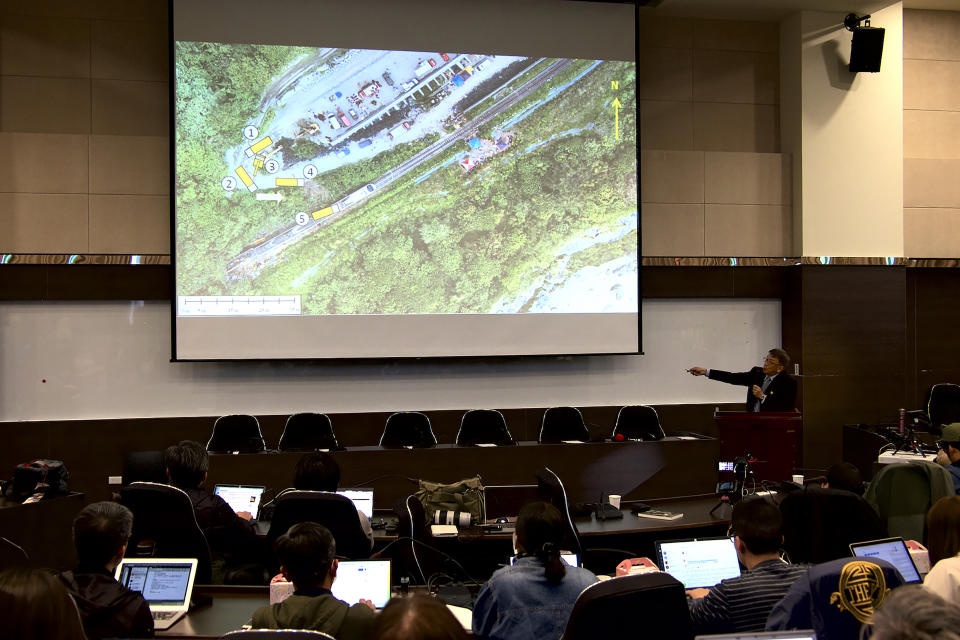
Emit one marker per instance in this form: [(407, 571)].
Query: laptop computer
[(763, 635), (241, 497), (505, 501), (362, 499), (367, 579), (894, 551), (701, 562), (165, 583)]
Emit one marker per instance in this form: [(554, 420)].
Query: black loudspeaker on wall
[(866, 49)]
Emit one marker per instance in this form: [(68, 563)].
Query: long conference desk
[(674, 467)]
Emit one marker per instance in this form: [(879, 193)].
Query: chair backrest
[(11, 554), (408, 429), (655, 602), (143, 466), (819, 524), (415, 555), (638, 422), (337, 513), (482, 426), (308, 432), (563, 423), (901, 494), (237, 432), (164, 515), (550, 489), (943, 405), (275, 634)]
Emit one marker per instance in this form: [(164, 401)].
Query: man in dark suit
[(770, 388)]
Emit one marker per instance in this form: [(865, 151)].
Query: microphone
[(618, 438)]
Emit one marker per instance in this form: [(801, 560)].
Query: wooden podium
[(774, 438)]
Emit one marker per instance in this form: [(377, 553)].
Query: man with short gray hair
[(769, 388), (109, 610)]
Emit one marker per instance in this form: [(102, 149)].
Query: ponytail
[(553, 566)]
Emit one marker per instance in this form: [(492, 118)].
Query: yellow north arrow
[(616, 118)]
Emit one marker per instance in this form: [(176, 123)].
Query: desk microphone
[(618, 438)]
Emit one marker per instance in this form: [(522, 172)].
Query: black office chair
[(656, 602), (638, 422), (337, 513), (819, 524), (550, 489), (143, 466), (11, 554), (276, 634), (164, 525), (408, 429), (237, 432), (563, 423), (414, 553), (943, 405), (484, 426), (308, 432)]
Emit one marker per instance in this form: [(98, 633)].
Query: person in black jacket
[(108, 609), (769, 387)]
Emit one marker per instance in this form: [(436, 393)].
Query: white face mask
[(515, 552)]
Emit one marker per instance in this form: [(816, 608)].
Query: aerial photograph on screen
[(358, 181)]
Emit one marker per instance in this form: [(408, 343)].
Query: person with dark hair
[(742, 604), (846, 476), (949, 455), (419, 617), (228, 533), (34, 605), (943, 544), (319, 471), (769, 387), (534, 597), (307, 559), (108, 609), (913, 613)]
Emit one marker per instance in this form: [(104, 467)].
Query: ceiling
[(775, 10)]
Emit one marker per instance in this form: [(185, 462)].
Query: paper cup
[(614, 499), (798, 479)]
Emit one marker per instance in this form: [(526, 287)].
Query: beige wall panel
[(931, 183), (44, 105), (665, 32), (44, 163), (43, 223), (666, 125), (47, 8), (129, 50), (672, 229), (931, 233), (931, 134), (735, 127), (36, 46), (931, 84), (747, 230), (671, 176), (747, 178), (130, 165), (129, 224), (735, 76), (731, 35), (931, 35), (126, 107), (665, 74), (151, 10)]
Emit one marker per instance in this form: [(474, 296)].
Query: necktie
[(756, 401)]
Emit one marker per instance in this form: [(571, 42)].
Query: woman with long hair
[(531, 599), (943, 543), (34, 605)]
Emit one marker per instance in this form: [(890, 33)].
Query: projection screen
[(404, 179)]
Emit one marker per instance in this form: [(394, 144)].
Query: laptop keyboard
[(164, 615)]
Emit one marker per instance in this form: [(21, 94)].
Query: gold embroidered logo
[(862, 589)]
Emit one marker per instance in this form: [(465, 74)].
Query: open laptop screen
[(162, 583), (699, 563), (367, 579), (894, 551), (362, 499), (240, 498)]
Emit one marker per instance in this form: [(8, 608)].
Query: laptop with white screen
[(366, 579), (894, 551), (165, 583), (241, 497), (362, 499), (699, 563), (763, 635)]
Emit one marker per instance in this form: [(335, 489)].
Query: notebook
[(700, 562), (362, 499), (505, 501), (894, 551), (763, 635), (165, 583), (367, 579), (240, 497)]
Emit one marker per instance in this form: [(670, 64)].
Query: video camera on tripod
[(732, 485)]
